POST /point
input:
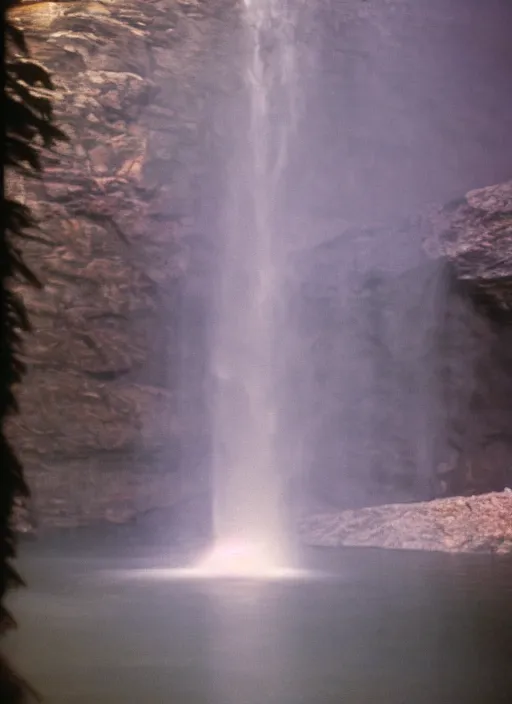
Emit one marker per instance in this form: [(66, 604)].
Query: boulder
[(474, 234)]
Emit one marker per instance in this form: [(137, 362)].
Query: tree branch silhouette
[(29, 129)]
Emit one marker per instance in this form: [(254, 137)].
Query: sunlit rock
[(101, 405), (459, 524)]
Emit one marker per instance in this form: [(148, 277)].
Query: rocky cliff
[(114, 421), (103, 424), (406, 383), (473, 235)]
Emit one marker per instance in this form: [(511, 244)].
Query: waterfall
[(249, 520)]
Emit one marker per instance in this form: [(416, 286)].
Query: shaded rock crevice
[(406, 380)]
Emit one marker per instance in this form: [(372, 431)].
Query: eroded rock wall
[(473, 235), (118, 250), (113, 411), (405, 388)]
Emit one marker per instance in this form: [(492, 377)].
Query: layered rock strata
[(119, 251)]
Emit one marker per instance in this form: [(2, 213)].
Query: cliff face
[(473, 235), (118, 239), (113, 417), (408, 355)]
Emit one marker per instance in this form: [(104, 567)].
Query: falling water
[(248, 516)]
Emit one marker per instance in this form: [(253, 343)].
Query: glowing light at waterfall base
[(248, 322), (241, 560)]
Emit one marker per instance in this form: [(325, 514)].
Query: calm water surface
[(376, 627)]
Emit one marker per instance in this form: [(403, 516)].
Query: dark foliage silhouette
[(29, 130)]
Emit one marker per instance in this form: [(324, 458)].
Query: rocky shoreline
[(460, 524)]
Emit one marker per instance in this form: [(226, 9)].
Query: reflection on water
[(385, 627)]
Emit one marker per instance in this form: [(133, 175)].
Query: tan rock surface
[(100, 409), (458, 524)]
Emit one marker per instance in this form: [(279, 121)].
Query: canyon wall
[(104, 426), (114, 419), (406, 340)]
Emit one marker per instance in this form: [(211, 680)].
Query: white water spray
[(249, 519)]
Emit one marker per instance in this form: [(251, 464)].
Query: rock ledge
[(461, 524)]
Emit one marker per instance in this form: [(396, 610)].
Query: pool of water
[(365, 627)]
